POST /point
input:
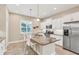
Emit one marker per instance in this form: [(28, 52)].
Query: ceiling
[(45, 10)]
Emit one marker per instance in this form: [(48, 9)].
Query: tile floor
[(18, 49)]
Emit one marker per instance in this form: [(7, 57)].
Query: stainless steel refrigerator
[(71, 37)]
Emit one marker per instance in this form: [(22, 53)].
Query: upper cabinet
[(71, 17), (75, 16), (57, 23)]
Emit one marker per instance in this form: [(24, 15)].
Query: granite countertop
[(43, 41), (1, 39)]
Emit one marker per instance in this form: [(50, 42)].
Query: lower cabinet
[(44, 49), (58, 37), (2, 47)]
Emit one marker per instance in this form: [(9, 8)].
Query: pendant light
[(30, 14), (38, 12)]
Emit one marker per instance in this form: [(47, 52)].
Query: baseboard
[(16, 41)]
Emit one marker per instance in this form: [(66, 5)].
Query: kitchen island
[(43, 46)]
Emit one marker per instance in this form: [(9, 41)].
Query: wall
[(2, 18), (14, 26), (3, 22)]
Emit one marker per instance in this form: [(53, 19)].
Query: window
[(25, 27)]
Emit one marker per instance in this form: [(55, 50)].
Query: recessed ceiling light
[(38, 19), (55, 8)]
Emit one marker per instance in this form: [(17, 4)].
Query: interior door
[(75, 39)]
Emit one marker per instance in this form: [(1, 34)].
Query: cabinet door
[(75, 16), (2, 47)]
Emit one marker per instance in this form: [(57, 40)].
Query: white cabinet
[(48, 49), (71, 17), (2, 47), (75, 16)]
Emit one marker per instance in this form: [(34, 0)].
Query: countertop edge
[(43, 44)]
